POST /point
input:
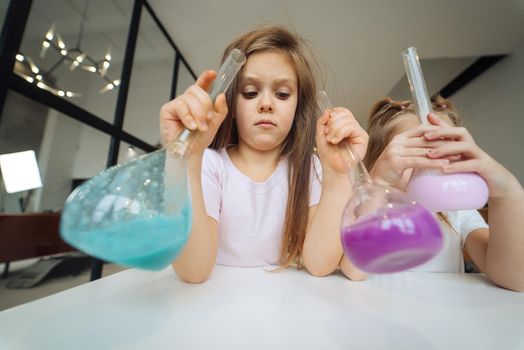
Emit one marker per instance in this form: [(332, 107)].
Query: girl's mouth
[(265, 122)]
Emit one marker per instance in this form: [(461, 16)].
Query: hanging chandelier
[(74, 57)]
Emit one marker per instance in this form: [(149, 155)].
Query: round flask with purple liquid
[(383, 230), (389, 232)]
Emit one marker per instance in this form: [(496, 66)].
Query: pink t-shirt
[(250, 214)]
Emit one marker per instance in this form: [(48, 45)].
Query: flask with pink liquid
[(383, 229), (433, 188)]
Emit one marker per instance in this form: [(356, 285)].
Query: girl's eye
[(282, 95), (249, 94)]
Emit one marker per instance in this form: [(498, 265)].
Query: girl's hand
[(194, 110), (334, 126), (406, 150), (470, 157)]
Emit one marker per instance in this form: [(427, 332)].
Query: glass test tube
[(417, 85), (225, 76)]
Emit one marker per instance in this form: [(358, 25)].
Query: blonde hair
[(300, 141), (381, 130)]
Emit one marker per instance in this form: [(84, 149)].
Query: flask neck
[(356, 170)]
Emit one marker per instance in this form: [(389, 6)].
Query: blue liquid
[(132, 214), (151, 243)]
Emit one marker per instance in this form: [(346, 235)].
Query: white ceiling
[(358, 42)]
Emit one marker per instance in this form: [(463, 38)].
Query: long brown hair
[(381, 130), (300, 141)]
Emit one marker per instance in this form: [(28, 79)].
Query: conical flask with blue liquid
[(137, 214)]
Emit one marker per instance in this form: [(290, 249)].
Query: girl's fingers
[(455, 148), (168, 111), (455, 133), (183, 114), (421, 162), (436, 120), (342, 124), (341, 113), (221, 105), (206, 79), (322, 124), (197, 111), (341, 129), (324, 118), (418, 131), (421, 142), (413, 152), (453, 158), (322, 129), (471, 165), (203, 98), (220, 109), (336, 118)]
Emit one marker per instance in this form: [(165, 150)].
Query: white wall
[(149, 89), (492, 110), (438, 72), (57, 160)]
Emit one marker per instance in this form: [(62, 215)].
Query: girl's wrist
[(511, 188), (195, 158), (336, 195), (335, 183), (334, 179)]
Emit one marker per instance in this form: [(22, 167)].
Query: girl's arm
[(197, 259), (498, 252), (322, 247), (322, 251), (194, 110)]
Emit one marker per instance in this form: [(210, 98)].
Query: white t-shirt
[(250, 214), (450, 258)]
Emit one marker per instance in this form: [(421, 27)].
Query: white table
[(250, 308)]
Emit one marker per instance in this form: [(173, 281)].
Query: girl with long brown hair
[(255, 190), (398, 144)]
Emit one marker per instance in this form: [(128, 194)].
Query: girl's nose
[(266, 105)]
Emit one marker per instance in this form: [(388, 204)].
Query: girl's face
[(268, 95)]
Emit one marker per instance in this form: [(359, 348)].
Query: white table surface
[(250, 308)]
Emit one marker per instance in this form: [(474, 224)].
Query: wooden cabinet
[(30, 235)]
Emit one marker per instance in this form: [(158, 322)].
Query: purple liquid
[(392, 239)]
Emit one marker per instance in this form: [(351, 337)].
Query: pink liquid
[(392, 239), (445, 192)]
